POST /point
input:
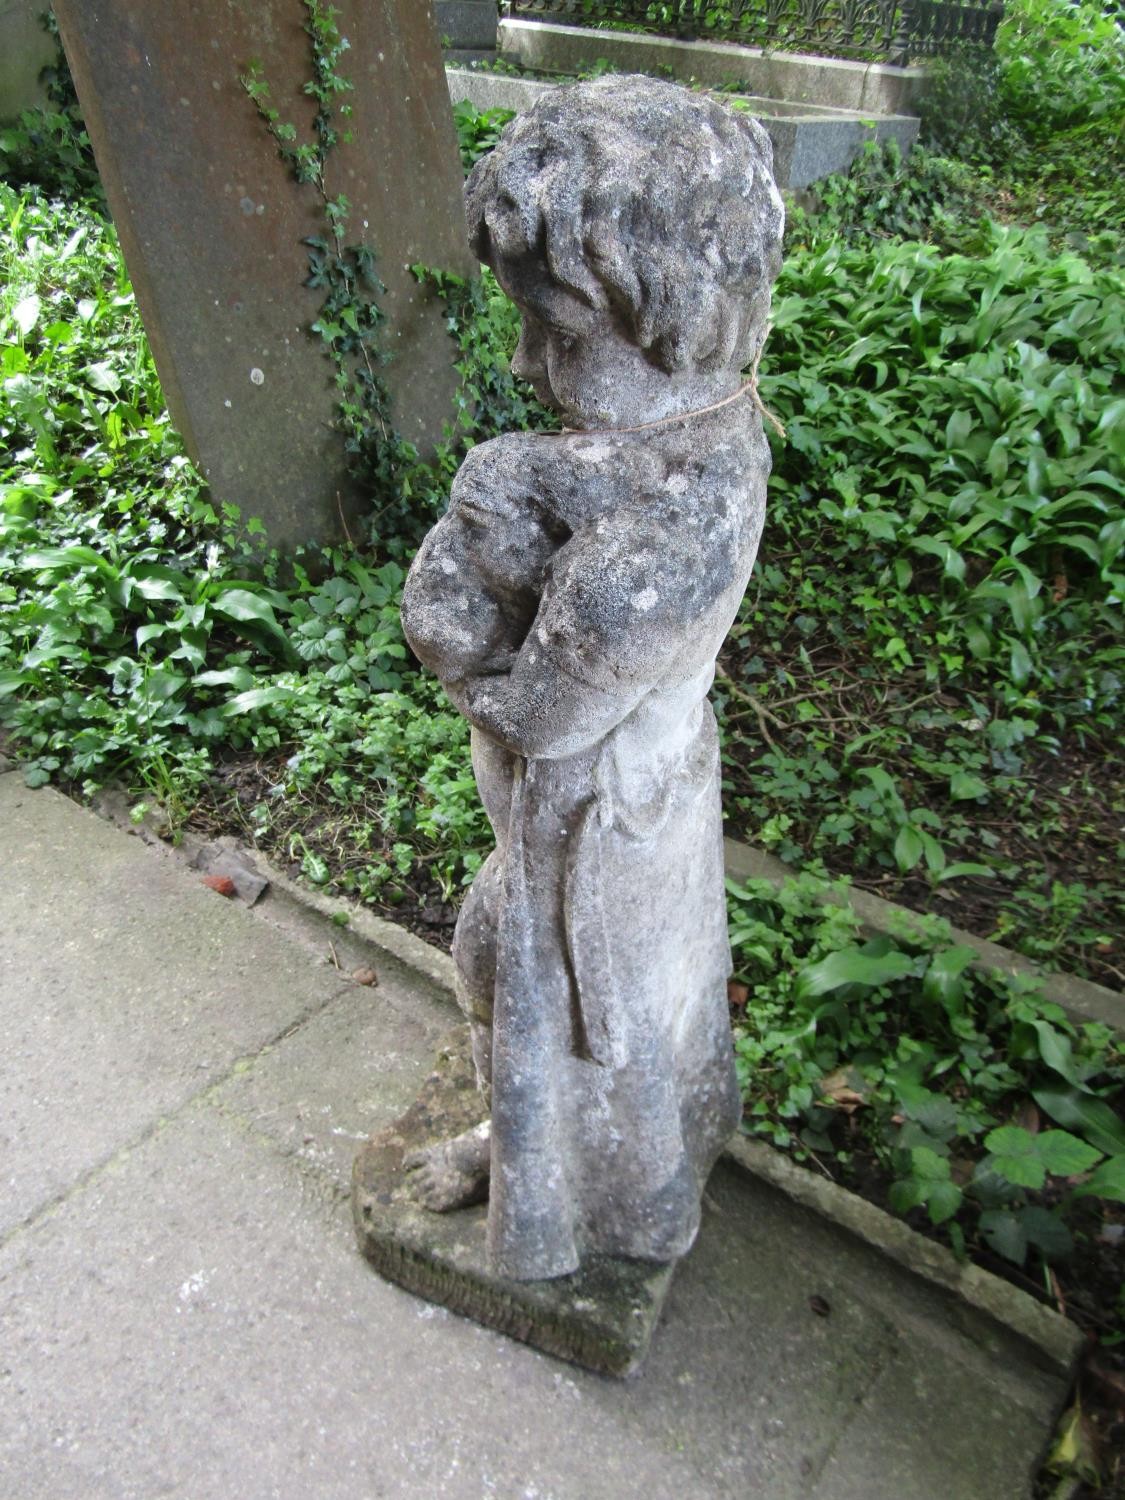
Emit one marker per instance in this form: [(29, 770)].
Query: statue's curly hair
[(639, 195)]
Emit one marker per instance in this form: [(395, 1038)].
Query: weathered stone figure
[(572, 602)]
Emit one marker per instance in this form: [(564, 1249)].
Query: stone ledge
[(798, 77), (1082, 999), (810, 141)]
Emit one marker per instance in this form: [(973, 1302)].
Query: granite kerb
[(1081, 999)]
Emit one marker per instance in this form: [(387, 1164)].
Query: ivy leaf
[(1005, 1234), (963, 785)]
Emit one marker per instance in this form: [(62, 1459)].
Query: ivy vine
[(408, 493), (350, 320)]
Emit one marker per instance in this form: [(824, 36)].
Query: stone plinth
[(211, 225), (602, 1318)]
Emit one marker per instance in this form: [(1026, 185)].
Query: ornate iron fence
[(881, 30)]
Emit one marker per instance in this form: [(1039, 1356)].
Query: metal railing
[(892, 31)]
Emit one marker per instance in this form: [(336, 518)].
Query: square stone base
[(602, 1317)]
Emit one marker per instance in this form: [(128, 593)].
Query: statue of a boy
[(572, 602)]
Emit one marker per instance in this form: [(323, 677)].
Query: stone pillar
[(25, 50), (211, 224)]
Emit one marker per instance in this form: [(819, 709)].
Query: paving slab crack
[(240, 1064)]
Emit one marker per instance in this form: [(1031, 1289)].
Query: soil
[(1057, 823)]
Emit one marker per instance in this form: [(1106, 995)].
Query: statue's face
[(580, 362)]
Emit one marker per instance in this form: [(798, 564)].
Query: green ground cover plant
[(924, 683), (1041, 121), (975, 1106)]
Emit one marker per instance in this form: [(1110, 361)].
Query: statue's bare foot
[(452, 1174)]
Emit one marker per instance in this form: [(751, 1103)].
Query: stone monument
[(572, 602), (213, 230)]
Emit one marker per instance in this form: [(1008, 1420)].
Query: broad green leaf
[(1093, 1117), (244, 703), (958, 428), (11, 680), (963, 785), (966, 867), (103, 377), (1020, 663), (1107, 1182), (850, 966), (236, 677), (1045, 1229), (943, 980), (934, 853), (1055, 1050), (241, 604), (25, 314), (252, 609), (908, 847), (158, 588), (52, 559)]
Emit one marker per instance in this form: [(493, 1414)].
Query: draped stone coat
[(572, 600)]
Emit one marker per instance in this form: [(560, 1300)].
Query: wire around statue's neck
[(748, 387)]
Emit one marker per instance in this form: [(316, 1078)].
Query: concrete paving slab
[(125, 987), (195, 1322), (349, 1070), (187, 1314)]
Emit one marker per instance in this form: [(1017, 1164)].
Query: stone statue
[(572, 602)]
